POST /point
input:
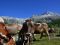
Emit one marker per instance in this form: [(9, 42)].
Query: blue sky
[(26, 8)]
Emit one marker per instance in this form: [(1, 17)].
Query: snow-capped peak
[(49, 14)]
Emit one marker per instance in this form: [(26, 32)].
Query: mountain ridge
[(46, 16)]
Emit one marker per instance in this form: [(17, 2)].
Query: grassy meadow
[(45, 41)]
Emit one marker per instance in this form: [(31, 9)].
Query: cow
[(5, 37), (41, 28)]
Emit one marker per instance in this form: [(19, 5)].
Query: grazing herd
[(24, 33)]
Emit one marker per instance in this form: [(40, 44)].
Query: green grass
[(45, 41)]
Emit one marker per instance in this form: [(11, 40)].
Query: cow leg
[(41, 35), (48, 34), (33, 37)]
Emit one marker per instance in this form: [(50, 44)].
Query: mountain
[(11, 20), (46, 17)]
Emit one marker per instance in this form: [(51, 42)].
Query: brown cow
[(4, 34), (11, 42)]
